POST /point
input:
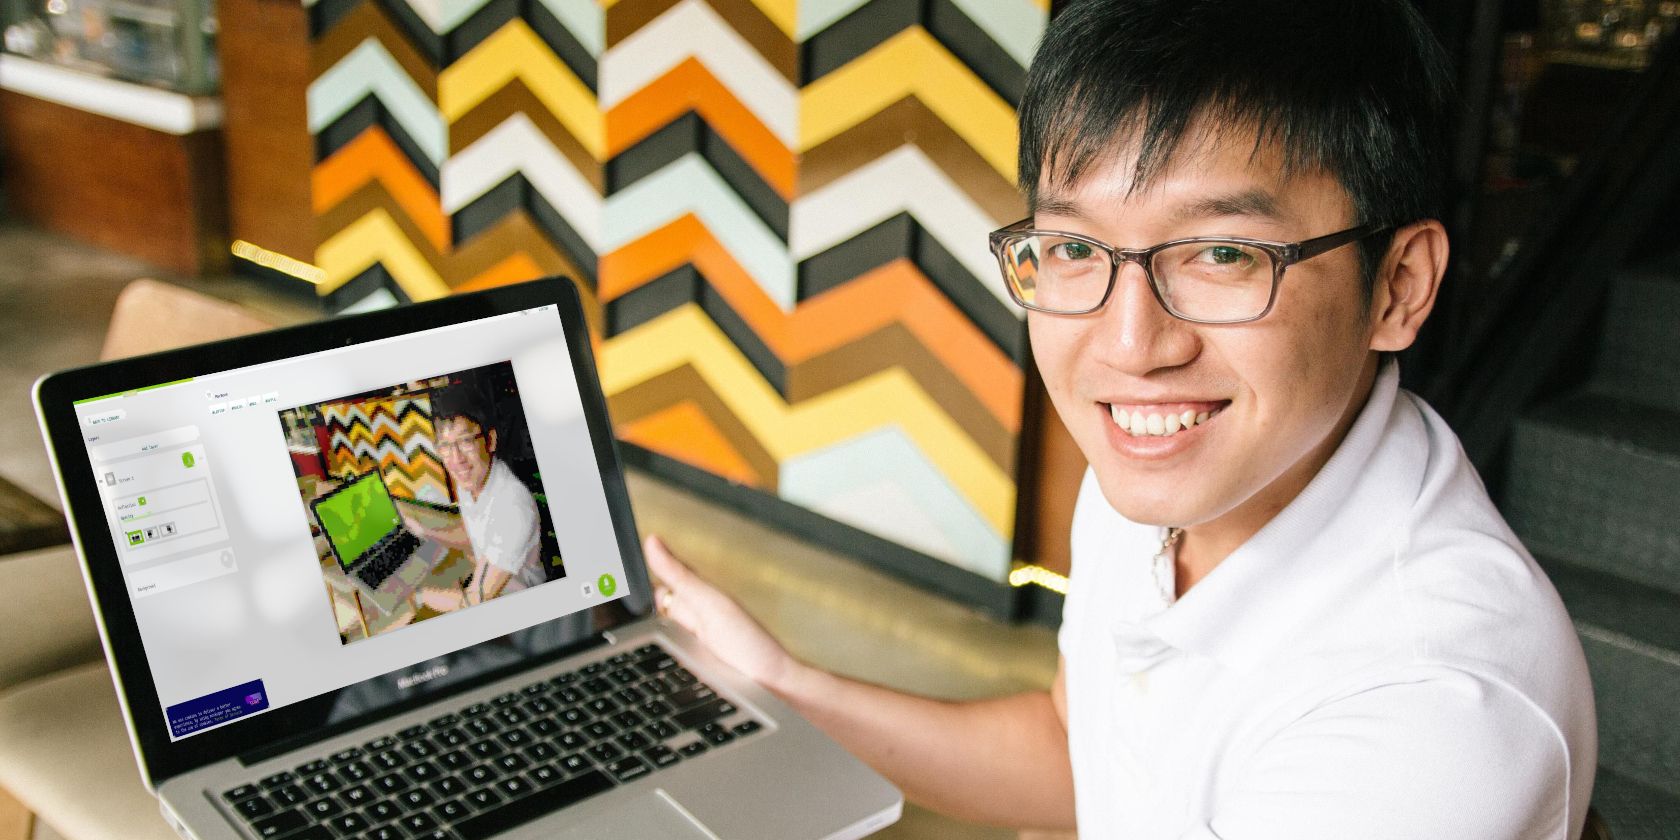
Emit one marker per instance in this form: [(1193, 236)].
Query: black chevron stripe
[(514, 194), (326, 14), (362, 116), (496, 14), (684, 284), (691, 133)]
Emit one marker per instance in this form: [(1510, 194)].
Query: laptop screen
[(337, 532), (357, 517)]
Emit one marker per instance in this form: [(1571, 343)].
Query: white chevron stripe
[(691, 28), (517, 146), (585, 19), (689, 185), (817, 15), (370, 69), (899, 181), (1016, 25)]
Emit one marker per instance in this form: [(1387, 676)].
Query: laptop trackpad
[(653, 816)]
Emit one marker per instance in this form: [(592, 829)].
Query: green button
[(136, 537), (142, 501), (187, 460), (607, 585)]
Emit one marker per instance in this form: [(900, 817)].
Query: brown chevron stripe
[(909, 121), (748, 21), (894, 346), (365, 20), (514, 234), (516, 98), (685, 383)]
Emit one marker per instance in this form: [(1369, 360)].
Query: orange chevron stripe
[(895, 292), (689, 86), (515, 268), (683, 431), (374, 156)]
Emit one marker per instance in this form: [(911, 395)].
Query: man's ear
[(490, 441), (1407, 283)]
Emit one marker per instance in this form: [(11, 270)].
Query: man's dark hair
[(463, 400), (1358, 89)]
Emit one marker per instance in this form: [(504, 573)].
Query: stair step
[(1634, 811), (1631, 636), (1596, 479), (1638, 354)]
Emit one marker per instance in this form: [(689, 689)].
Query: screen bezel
[(302, 721)]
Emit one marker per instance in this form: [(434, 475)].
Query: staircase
[(1593, 489)]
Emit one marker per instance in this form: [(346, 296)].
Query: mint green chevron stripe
[(370, 69), (880, 482), (689, 185), (817, 15), (585, 19), (1016, 25)]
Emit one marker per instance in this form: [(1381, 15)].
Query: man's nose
[(1135, 333)]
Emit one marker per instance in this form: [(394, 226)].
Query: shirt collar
[(1324, 545)]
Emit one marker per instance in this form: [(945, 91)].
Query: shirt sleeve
[(1447, 755)]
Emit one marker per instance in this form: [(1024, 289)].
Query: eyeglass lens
[(1204, 281)]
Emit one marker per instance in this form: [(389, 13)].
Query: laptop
[(365, 533), (555, 705)]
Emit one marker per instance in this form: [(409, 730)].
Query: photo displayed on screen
[(424, 498)]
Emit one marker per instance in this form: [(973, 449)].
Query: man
[(500, 526), (1293, 611)]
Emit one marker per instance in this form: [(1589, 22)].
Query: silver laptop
[(522, 689)]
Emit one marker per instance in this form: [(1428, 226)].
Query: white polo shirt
[(505, 528), (1382, 660)]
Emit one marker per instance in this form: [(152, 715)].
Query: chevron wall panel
[(393, 436), (776, 208)]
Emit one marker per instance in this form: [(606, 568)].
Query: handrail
[(1526, 336)]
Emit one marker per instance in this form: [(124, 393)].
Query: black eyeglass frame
[(1284, 254)]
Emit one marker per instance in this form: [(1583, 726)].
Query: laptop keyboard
[(496, 765), (385, 558)]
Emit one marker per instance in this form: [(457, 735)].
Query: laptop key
[(455, 759), (483, 799), (386, 832), (575, 717), (323, 808), (280, 824), (539, 802), (390, 783), (703, 713), (541, 751), (486, 748), (657, 664), (659, 730), (425, 771), (600, 729), (572, 740), (505, 699), (412, 732), (357, 771), (627, 719), (574, 763), (384, 742), (444, 721), (381, 811), (388, 760), (451, 811), (535, 688), (601, 706), (356, 796), (418, 822), (451, 737), (314, 832), (597, 686), (691, 696), (449, 786), (253, 807), (747, 728), (417, 798), (511, 763), (476, 710), (546, 774), (513, 787), (516, 737), (656, 708), (281, 778), (605, 752), (481, 727), (311, 767), (349, 823), (694, 749), (545, 728), (482, 774), (347, 754), (288, 795), (629, 769), (633, 740), (540, 706), (241, 792), (419, 749), (322, 783), (661, 755)]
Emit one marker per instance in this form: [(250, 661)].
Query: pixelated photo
[(424, 498)]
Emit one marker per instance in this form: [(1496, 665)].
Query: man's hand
[(441, 600), (717, 621)]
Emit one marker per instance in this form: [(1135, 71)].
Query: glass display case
[(162, 43)]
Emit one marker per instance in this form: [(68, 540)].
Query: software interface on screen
[(295, 527)]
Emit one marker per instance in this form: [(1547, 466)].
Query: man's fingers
[(665, 565)]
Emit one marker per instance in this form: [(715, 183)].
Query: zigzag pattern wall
[(776, 208), (394, 436)]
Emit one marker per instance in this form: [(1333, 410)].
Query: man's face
[(466, 452), (1276, 392)]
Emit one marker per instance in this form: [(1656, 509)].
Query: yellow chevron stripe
[(376, 238), (911, 62), (516, 52), (890, 397)]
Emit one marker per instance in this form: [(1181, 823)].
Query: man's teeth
[(1139, 424)]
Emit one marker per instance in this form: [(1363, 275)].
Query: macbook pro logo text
[(408, 681)]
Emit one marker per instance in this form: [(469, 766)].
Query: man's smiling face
[(1268, 400)]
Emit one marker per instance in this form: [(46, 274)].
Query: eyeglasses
[(460, 446), (1204, 279)]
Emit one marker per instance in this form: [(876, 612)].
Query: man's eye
[(1072, 251), (1225, 255)]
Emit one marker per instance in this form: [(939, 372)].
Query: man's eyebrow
[(1255, 202), (1057, 206)]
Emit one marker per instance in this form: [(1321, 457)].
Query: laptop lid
[(357, 516), (188, 478)]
